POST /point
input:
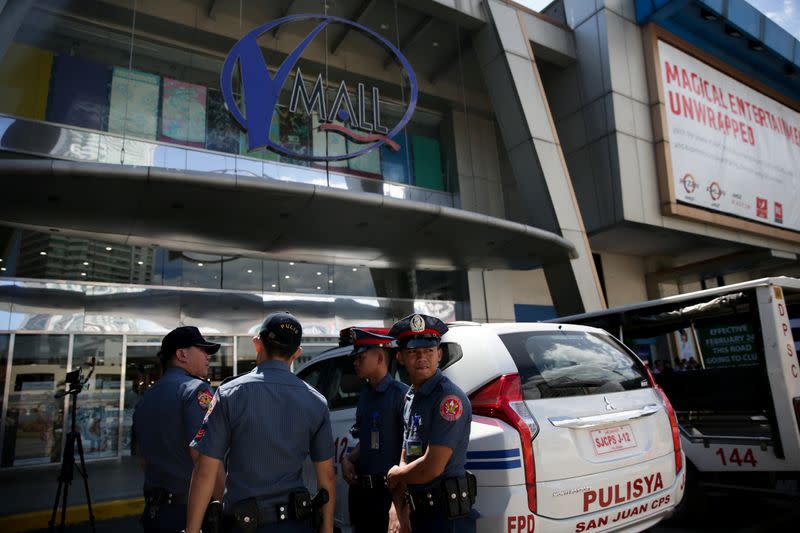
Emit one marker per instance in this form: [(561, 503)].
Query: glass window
[(242, 273), (142, 370), (98, 405), (572, 363), (245, 354), (308, 278), (34, 422), (351, 280), (221, 363), (4, 340), (335, 379)]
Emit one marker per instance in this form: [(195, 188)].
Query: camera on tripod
[(74, 380)]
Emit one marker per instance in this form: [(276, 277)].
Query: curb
[(76, 514)]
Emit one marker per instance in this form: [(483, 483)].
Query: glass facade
[(39, 255), (145, 90), (138, 84)]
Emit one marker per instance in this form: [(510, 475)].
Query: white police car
[(569, 433)]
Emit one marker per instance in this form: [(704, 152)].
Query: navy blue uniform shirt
[(380, 412), (267, 421), (165, 420), (444, 414)]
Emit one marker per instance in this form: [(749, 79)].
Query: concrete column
[(531, 142)]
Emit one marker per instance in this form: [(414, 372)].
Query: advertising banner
[(733, 149)]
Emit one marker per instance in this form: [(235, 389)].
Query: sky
[(786, 13)]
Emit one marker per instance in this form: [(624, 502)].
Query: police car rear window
[(572, 363)]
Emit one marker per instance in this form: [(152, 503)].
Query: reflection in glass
[(245, 355), (142, 370), (34, 422), (221, 363), (4, 340), (98, 405)]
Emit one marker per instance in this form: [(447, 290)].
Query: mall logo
[(348, 106)]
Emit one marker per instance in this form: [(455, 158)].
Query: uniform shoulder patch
[(451, 408), (204, 398)]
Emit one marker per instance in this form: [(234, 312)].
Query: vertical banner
[(183, 113), (134, 103), (733, 149)]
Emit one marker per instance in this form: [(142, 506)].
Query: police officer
[(267, 422), (431, 488), (165, 420), (379, 425)]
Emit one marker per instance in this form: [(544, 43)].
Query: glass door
[(142, 370), (34, 418)]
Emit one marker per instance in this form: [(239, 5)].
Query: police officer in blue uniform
[(379, 427), (164, 422), (431, 488), (267, 422)]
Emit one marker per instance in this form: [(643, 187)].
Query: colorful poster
[(222, 132), (183, 113), (295, 135), (733, 149), (134, 103)]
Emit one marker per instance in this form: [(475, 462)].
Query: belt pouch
[(246, 514), (472, 487), (300, 504)]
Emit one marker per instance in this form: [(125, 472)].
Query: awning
[(233, 214)]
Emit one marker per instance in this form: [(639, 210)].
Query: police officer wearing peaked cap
[(267, 422), (431, 488), (165, 420), (379, 427)]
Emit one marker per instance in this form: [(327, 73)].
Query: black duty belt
[(248, 513), (455, 496), (371, 481), (160, 497)]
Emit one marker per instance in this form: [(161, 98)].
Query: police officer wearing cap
[(267, 422), (431, 488), (165, 420), (379, 427)]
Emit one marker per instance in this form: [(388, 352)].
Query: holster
[(320, 499), (459, 494), (212, 521)]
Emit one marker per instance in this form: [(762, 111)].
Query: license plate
[(612, 439)]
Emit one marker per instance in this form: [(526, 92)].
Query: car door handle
[(606, 418)]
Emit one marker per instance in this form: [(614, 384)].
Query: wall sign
[(732, 148), (353, 112)]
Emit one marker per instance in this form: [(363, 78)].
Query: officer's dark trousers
[(369, 509), (291, 526), (166, 519), (437, 522)]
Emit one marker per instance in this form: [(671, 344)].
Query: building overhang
[(243, 215), (734, 32)]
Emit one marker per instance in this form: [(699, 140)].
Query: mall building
[(207, 162)]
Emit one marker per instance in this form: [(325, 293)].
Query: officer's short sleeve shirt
[(268, 422), (379, 419), (445, 416), (164, 421)]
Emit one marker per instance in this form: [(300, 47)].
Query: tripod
[(68, 459)]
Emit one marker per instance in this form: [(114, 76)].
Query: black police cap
[(283, 330), (184, 337), (418, 331)]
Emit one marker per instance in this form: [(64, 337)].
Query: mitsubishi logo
[(609, 405)]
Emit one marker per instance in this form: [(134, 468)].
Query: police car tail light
[(676, 436), (502, 399)]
